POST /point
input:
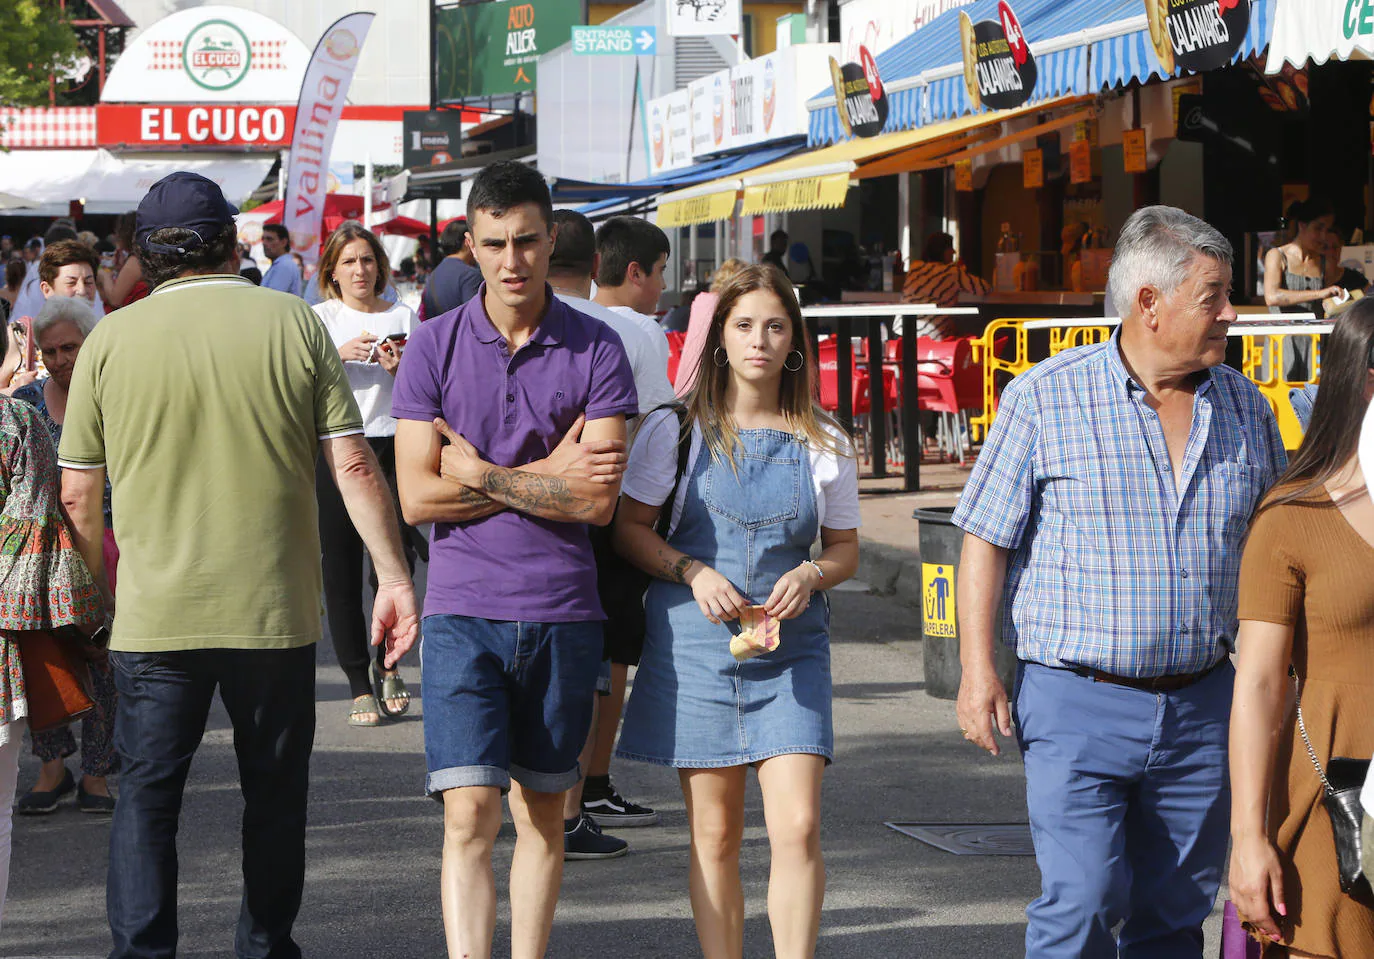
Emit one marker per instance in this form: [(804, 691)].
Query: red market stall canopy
[(402, 226), (338, 207)]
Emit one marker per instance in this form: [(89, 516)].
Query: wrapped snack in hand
[(759, 633)]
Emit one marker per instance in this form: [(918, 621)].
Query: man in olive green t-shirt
[(206, 403)]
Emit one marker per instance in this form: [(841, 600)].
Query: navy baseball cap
[(185, 200)]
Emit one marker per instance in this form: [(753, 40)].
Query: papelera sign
[(210, 125)]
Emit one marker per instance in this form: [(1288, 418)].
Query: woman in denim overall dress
[(768, 472)]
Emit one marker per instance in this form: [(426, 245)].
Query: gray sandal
[(365, 705), (388, 687)]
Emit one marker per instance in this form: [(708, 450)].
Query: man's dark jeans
[(164, 700)]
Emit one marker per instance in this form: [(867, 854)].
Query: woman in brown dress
[(1306, 599)]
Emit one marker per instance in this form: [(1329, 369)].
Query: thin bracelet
[(817, 567)]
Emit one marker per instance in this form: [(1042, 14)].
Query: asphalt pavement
[(372, 888)]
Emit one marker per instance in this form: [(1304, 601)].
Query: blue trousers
[(1129, 811), (164, 701)]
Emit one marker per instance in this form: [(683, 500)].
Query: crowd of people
[(1171, 582), (586, 518)]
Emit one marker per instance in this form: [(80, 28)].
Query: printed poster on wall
[(1196, 35), (1133, 151), (1033, 169), (703, 18), (999, 68), (670, 132), (1080, 161), (859, 95), (963, 176), (746, 104)]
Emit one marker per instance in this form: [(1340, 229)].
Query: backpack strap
[(684, 448)]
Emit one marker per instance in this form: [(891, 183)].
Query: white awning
[(50, 180), (1320, 30)]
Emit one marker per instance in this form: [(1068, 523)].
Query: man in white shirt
[(632, 255), (572, 266)]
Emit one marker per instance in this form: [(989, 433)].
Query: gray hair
[(64, 309), (1155, 248)]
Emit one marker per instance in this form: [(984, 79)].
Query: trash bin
[(941, 543)]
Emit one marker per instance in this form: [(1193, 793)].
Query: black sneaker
[(585, 841), (612, 809), (35, 803)]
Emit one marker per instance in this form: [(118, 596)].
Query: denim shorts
[(506, 700)]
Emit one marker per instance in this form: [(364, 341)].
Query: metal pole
[(844, 372), (367, 192), (877, 426), (433, 232), (911, 409), (433, 57)]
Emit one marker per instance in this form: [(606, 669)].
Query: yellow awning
[(820, 179), (702, 208), (808, 193), (811, 181)]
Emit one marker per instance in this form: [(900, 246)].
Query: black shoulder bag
[(1342, 780)]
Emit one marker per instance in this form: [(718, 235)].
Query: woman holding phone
[(370, 334), (767, 474)]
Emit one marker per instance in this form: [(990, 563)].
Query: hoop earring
[(801, 361), (716, 356)]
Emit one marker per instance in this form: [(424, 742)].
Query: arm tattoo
[(471, 497), (674, 571), (533, 493)]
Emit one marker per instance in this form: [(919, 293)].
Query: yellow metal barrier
[(1262, 363), (984, 351), (1066, 338)]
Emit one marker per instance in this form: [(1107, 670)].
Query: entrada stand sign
[(1196, 35), (999, 69), (859, 95)]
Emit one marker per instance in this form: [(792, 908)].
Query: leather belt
[(1150, 684)]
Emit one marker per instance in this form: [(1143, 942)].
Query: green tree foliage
[(35, 41)]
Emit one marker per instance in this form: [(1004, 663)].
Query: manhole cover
[(971, 838)]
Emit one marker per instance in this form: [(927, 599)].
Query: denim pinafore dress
[(693, 705)]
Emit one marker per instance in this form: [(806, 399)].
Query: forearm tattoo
[(533, 493), (674, 570), (471, 497)]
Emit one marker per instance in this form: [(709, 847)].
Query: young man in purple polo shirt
[(492, 400)]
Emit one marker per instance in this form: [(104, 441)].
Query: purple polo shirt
[(514, 408)]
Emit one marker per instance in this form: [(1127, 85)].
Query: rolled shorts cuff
[(603, 678), (455, 777), (546, 782)]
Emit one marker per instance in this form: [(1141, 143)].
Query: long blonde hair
[(798, 392)]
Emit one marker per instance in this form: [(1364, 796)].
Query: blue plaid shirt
[(1112, 566)]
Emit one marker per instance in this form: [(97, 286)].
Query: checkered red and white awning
[(48, 128)]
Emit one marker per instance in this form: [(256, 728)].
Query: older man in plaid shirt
[(1104, 522)]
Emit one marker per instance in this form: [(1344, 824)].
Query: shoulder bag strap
[(1312, 753)]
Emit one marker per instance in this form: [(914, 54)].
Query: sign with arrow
[(616, 41)]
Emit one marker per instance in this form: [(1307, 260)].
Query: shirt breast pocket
[(1234, 490)]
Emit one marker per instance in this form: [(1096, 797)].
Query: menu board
[(1133, 150)]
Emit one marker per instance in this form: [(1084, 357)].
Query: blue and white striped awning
[(903, 113), (1080, 46), (1130, 57)]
